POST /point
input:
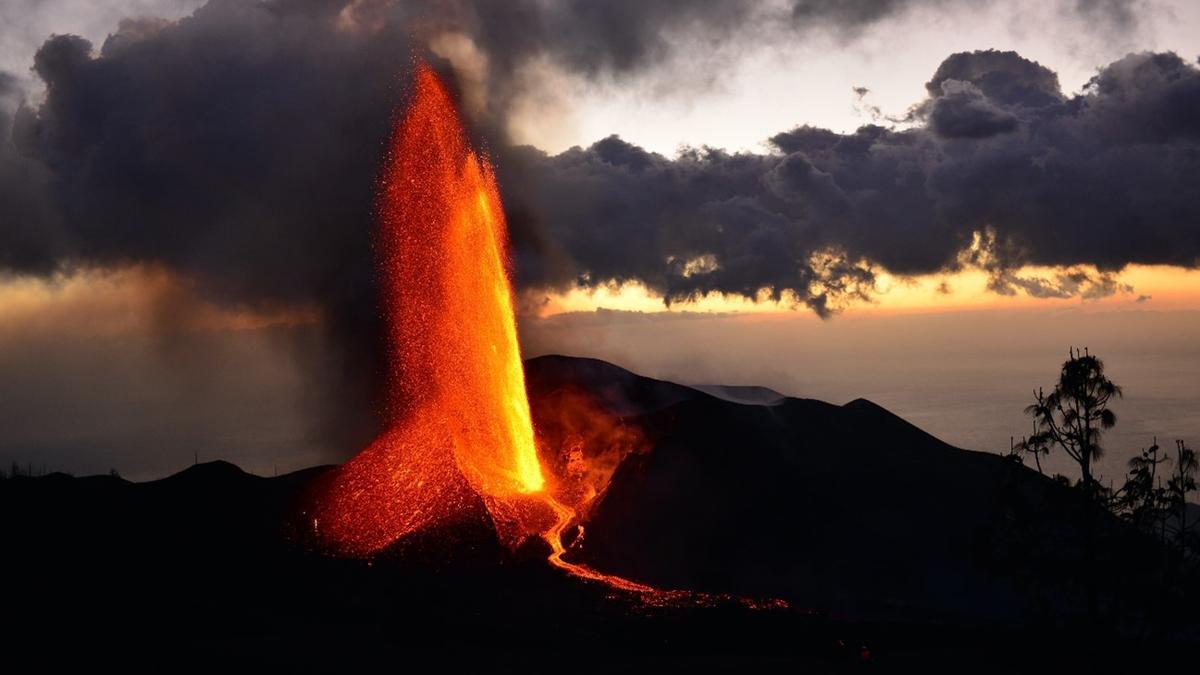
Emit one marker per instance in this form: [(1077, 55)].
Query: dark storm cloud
[(964, 112), (27, 218), (239, 147), (999, 76), (1000, 170)]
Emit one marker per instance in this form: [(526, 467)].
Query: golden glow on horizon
[(1157, 287), (144, 299), (126, 301)]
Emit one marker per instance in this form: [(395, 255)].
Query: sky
[(924, 203)]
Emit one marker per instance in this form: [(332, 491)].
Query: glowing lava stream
[(554, 537), (459, 426)]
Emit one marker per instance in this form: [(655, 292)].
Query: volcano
[(877, 534), (566, 513), (847, 510)]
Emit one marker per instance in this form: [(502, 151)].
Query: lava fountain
[(459, 428), (458, 423), (457, 417)]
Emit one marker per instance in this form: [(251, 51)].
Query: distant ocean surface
[(964, 377), (979, 404), (148, 408)]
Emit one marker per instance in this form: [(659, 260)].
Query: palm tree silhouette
[(1075, 415)]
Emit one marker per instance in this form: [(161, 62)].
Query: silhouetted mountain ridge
[(847, 509), (871, 528)]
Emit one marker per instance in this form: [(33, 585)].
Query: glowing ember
[(459, 423), (458, 416)]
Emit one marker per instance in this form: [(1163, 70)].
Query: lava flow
[(459, 425)]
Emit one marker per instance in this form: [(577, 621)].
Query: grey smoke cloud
[(1000, 170), (239, 148)]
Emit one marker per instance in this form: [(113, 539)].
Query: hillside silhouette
[(890, 546)]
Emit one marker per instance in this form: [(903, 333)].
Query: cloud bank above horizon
[(141, 152)]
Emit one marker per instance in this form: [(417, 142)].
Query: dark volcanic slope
[(870, 526), (845, 509)]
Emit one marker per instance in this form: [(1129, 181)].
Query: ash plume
[(239, 147)]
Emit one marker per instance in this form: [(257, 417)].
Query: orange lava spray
[(459, 425), (457, 413)]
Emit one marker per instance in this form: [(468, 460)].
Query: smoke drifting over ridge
[(239, 148)]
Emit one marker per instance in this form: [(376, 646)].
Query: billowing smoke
[(28, 220), (238, 147), (998, 170)]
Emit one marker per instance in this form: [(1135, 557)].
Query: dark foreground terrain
[(895, 552)]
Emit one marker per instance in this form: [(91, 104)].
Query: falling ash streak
[(459, 422)]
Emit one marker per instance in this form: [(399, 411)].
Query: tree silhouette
[(1035, 445), (1179, 486), (1075, 415), (1142, 500)]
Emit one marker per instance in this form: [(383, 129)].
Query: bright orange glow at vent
[(458, 416)]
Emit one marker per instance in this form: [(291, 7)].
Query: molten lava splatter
[(458, 417), (459, 427)]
